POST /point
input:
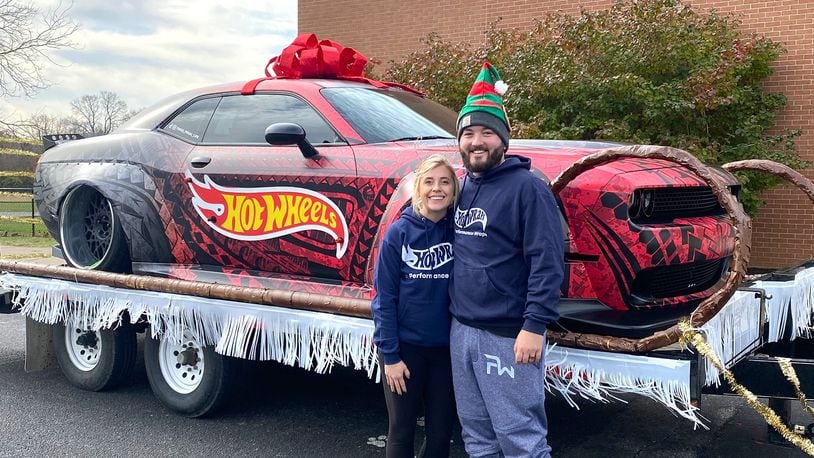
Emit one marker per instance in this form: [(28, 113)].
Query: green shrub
[(10, 179), (650, 72)]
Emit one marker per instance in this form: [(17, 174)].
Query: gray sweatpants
[(501, 404)]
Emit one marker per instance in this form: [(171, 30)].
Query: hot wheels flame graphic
[(266, 213)]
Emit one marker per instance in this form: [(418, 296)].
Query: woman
[(411, 313)]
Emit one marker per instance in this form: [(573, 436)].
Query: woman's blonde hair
[(436, 160)]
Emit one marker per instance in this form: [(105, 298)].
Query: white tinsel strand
[(732, 331), (802, 303), (312, 340), (599, 377), (794, 298)]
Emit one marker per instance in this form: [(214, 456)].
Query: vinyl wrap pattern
[(710, 305)]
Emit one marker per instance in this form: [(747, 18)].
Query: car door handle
[(200, 161)]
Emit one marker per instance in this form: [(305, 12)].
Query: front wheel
[(189, 378), (95, 360)]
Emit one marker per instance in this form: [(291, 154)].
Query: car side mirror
[(287, 133)]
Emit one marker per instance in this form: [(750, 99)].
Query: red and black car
[(290, 183)]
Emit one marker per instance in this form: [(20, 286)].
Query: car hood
[(552, 157)]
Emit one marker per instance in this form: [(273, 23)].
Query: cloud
[(148, 49)]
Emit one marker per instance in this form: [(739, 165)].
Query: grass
[(16, 231), (8, 196), (27, 241), (23, 206), (10, 227), (21, 140), (6, 173), (17, 152)]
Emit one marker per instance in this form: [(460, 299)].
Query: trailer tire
[(95, 360), (189, 378)]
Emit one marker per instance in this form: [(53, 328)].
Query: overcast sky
[(144, 50)]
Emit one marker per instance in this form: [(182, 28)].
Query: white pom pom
[(501, 87)]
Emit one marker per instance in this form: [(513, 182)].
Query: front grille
[(660, 204), (676, 280), (685, 202)]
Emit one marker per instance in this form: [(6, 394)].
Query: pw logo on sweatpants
[(494, 361)]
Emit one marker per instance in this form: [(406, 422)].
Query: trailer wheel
[(90, 234), (189, 378), (95, 360)]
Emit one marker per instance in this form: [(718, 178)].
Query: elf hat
[(484, 105)]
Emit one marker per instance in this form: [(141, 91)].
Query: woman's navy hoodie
[(508, 251), (412, 281)]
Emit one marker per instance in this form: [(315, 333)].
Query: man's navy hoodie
[(508, 251), (411, 280)]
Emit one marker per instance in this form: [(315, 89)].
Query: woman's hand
[(396, 376)]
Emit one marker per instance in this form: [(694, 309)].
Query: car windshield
[(384, 115)]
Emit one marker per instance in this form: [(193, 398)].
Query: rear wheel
[(95, 360), (90, 233), (189, 378)]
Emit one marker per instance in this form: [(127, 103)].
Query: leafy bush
[(643, 71), (12, 179)]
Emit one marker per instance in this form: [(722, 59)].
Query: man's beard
[(492, 159)]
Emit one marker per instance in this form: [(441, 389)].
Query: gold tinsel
[(690, 335), (791, 376)]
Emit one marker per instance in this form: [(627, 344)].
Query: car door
[(268, 209)]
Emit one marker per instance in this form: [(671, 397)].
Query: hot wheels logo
[(267, 213)]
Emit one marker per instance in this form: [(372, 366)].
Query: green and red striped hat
[(484, 104)]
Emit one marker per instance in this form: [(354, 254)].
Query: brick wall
[(389, 29)]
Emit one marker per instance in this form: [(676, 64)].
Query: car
[(290, 183)]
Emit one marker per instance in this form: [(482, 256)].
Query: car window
[(150, 117), (191, 123), (243, 119), (386, 115)]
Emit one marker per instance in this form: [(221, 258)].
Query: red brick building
[(389, 29)]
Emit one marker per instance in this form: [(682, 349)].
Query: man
[(506, 284)]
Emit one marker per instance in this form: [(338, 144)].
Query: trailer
[(195, 344)]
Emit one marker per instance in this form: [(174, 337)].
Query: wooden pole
[(263, 296)]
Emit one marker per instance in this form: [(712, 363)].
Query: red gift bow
[(307, 57)]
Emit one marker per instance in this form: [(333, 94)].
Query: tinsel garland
[(791, 376), (312, 340), (692, 336)]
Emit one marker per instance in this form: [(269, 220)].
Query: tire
[(95, 360), (189, 378), (90, 233)]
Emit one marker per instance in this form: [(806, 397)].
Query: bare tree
[(34, 127), (98, 114), (27, 36)]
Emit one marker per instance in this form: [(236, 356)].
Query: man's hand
[(528, 347), (396, 376)]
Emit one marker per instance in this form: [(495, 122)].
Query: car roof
[(150, 117), (275, 83)]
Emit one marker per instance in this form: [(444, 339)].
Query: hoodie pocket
[(424, 323), (476, 296)]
